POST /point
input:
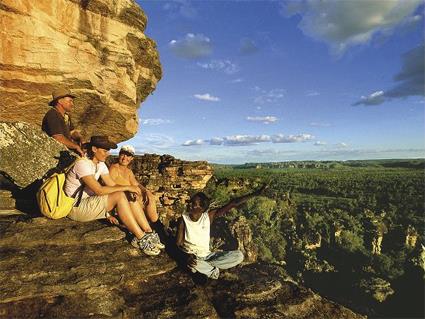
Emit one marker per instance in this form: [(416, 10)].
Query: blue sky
[(261, 81)]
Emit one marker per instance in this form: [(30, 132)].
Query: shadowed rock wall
[(95, 47)]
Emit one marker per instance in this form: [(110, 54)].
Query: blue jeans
[(211, 264)]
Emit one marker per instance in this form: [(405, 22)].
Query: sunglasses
[(126, 153)]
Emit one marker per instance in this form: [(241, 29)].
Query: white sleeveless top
[(197, 235)]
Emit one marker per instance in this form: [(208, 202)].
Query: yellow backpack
[(51, 198)]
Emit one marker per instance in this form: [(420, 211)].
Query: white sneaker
[(156, 241), (145, 245)]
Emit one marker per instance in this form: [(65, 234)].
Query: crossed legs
[(133, 214)]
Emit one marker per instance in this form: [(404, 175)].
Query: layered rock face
[(66, 269), (97, 48)]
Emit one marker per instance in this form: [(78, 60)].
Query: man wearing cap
[(144, 206), (95, 201), (57, 121)]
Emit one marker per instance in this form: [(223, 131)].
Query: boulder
[(376, 287), (28, 154), (97, 48), (242, 232)]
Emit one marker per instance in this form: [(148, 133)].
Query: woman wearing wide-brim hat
[(94, 200)]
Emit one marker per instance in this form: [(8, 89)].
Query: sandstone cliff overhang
[(95, 47)]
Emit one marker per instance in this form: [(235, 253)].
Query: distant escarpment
[(97, 48)]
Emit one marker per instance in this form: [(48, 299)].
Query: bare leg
[(150, 207), (140, 217), (119, 200)]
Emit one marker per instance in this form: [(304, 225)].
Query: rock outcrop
[(27, 154), (95, 47), (65, 269), (242, 233), (378, 288), (170, 179)]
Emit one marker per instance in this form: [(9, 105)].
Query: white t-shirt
[(83, 167), (197, 235)]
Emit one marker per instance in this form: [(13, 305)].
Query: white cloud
[(225, 66), (320, 143), (193, 142), (280, 138), (216, 141), (410, 80), (262, 119), (155, 122), (348, 23), (242, 140), (192, 46), (206, 97), (238, 140), (411, 77), (373, 99), (272, 96)]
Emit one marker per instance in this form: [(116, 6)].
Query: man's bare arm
[(108, 180), (180, 233), (135, 182), (234, 203), (190, 259), (68, 143), (76, 136)]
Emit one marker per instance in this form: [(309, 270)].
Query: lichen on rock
[(27, 153)]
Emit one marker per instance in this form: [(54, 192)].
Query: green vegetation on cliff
[(351, 230)]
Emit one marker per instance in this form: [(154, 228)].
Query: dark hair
[(88, 149), (205, 201)]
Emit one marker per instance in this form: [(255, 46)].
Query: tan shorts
[(90, 208)]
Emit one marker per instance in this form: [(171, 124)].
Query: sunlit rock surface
[(66, 269), (95, 47)]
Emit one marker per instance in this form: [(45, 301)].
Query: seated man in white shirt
[(97, 200)]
